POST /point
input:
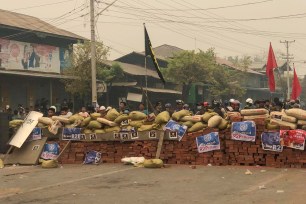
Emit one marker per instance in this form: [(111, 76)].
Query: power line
[(41, 5)]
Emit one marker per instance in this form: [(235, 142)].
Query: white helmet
[(231, 100), (249, 100)]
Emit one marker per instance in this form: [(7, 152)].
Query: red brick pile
[(185, 152)]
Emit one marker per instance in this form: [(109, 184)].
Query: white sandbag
[(297, 113), (195, 118), (284, 123), (107, 122), (282, 116), (61, 119), (260, 111)]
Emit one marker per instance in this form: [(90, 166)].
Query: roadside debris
[(262, 187), (248, 172), (280, 191)]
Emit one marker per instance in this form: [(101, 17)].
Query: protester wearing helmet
[(179, 105), (249, 104), (216, 105)]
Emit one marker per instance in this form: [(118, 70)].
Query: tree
[(79, 81), (188, 67)]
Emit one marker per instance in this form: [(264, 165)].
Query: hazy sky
[(229, 26)]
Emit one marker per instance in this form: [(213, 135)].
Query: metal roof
[(21, 21), (155, 90)]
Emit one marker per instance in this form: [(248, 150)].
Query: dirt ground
[(116, 183)]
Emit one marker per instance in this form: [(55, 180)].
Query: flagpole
[(146, 78)]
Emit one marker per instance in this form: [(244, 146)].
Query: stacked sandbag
[(197, 127), (137, 115), (121, 118), (112, 114), (281, 119), (162, 117), (292, 126), (15, 123), (180, 114), (215, 121), (206, 116), (299, 114), (63, 120), (251, 114)]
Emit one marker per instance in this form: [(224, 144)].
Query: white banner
[(29, 56)]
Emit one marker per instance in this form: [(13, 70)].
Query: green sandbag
[(146, 127), (223, 124), (94, 116), (137, 115), (153, 163), (112, 129), (15, 123), (112, 114), (99, 131), (162, 117), (197, 126), (87, 131), (206, 116), (214, 121), (121, 118), (136, 123), (94, 125), (178, 115), (75, 117), (49, 163), (189, 124), (85, 122)]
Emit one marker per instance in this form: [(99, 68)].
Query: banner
[(271, 141), (51, 151), (293, 138), (36, 134), (174, 126), (92, 157), (209, 142), (244, 131), (73, 134), (29, 56)]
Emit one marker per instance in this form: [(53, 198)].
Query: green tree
[(79, 74)]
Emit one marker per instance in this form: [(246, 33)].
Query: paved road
[(125, 184)]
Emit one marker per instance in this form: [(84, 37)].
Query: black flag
[(149, 52)]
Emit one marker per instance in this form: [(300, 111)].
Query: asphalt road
[(116, 183)]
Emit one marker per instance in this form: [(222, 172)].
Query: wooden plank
[(160, 145)]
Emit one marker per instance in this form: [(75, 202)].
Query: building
[(33, 54)]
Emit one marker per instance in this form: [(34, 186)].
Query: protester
[(199, 109), (142, 109), (122, 107), (179, 105), (217, 108), (102, 111), (249, 104), (169, 108), (16, 115), (51, 112), (65, 112), (84, 112), (158, 108)]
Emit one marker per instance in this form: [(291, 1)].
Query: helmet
[(205, 104), (249, 100), (231, 100)]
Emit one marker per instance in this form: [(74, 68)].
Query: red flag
[(271, 64), (296, 87)]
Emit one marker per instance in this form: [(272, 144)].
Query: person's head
[(122, 105), (102, 110), (261, 104), (199, 106), (141, 107), (64, 111), (83, 109), (249, 101), (236, 104), (216, 104), (15, 112), (53, 108), (267, 102), (297, 101), (51, 112), (186, 107), (168, 107), (206, 105), (179, 104), (158, 105)]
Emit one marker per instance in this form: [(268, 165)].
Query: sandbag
[(112, 114), (112, 129), (284, 123), (99, 131), (260, 111), (137, 115), (1, 164), (76, 117), (282, 116), (121, 118), (251, 117), (94, 125), (61, 119), (162, 117), (87, 131), (153, 163), (49, 163), (136, 123), (45, 120), (85, 122), (206, 116), (42, 125), (178, 115), (197, 126), (297, 113), (301, 122), (145, 122), (270, 126), (223, 124), (15, 123), (94, 116), (189, 124), (146, 128), (195, 118), (214, 121), (107, 122)]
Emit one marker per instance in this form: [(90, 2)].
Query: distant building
[(33, 54)]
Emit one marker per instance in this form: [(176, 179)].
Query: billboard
[(17, 55)]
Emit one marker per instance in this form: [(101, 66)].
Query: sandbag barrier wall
[(185, 152)]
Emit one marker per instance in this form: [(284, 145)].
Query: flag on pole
[(271, 64), (149, 52), (296, 86)]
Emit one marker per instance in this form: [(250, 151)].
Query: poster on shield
[(293, 138), (209, 142), (271, 141), (244, 131)]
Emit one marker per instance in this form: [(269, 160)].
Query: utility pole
[(287, 58), (93, 54)]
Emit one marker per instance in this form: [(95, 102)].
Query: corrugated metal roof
[(21, 21), (165, 51)]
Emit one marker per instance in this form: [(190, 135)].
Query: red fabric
[(271, 64), (296, 87)]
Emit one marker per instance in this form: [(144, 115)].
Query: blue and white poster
[(271, 141), (209, 142), (174, 126), (73, 134), (36, 134), (51, 151), (244, 131), (92, 157)]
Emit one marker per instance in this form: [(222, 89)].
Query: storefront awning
[(155, 90)]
